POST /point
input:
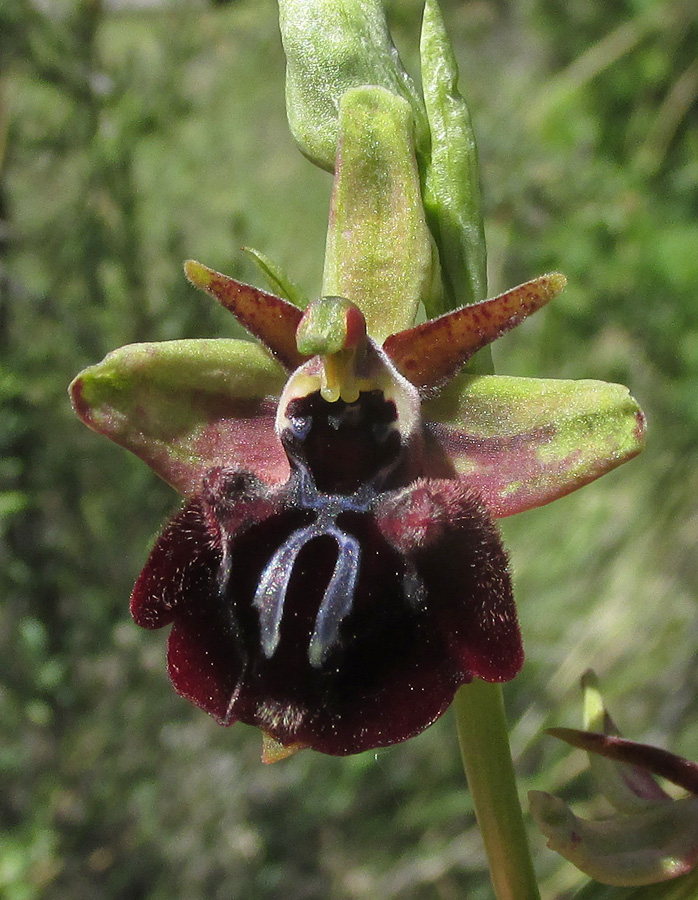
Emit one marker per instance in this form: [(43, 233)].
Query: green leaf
[(452, 181), (645, 848), (379, 250), (12, 503), (522, 442), (186, 406), (332, 46), (278, 280)]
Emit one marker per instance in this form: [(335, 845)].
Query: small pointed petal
[(628, 788), (379, 253), (430, 354), (523, 442), (186, 406), (645, 848), (269, 318), (675, 769)]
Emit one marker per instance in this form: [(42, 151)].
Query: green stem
[(484, 743)]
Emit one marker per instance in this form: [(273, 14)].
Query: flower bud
[(332, 46)]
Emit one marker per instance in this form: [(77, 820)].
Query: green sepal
[(452, 181), (332, 46), (379, 250), (278, 280), (648, 847), (522, 442), (186, 406)]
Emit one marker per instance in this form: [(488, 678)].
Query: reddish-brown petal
[(204, 663), (362, 629), (268, 317), (182, 582), (387, 676), (431, 353)]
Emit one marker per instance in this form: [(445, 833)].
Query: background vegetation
[(137, 137)]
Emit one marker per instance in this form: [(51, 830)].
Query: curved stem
[(484, 743)]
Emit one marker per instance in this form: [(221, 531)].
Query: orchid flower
[(336, 573)]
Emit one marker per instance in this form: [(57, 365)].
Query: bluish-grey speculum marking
[(337, 599), (339, 452)]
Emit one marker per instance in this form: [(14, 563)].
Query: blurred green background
[(134, 137)]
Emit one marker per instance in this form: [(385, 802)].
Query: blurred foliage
[(132, 138)]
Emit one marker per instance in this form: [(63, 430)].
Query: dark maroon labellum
[(341, 610)]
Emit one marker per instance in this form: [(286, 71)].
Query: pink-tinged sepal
[(430, 354), (269, 318), (523, 442), (185, 407)]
